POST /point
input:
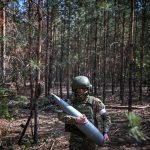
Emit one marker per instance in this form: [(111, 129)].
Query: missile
[(88, 128)]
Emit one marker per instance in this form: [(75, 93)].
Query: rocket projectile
[(88, 128)]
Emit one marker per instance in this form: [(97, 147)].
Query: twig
[(52, 145), (126, 107), (42, 145), (115, 131), (39, 146)]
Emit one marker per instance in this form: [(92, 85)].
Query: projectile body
[(88, 128)]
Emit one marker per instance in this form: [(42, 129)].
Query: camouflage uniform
[(95, 112)]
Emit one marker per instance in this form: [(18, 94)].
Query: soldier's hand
[(106, 137), (81, 119)]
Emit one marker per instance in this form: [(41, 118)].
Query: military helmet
[(80, 82)]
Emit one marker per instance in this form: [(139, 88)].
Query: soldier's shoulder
[(95, 99)]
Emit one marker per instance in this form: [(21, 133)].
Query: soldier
[(92, 109)]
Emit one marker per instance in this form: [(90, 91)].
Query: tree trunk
[(47, 49), (61, 61), (105, 42), (122, 62), (3, 43), (95, 59), (37, 79), (114, 53), (30, 41), (131, 57), (51, 57), (68, 53), (142, 48)]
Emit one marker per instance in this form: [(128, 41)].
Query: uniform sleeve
[(68, 119), (103, 114), (106, 122)]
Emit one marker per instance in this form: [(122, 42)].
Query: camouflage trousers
[(81, 143)]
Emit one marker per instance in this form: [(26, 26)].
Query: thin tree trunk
[(122, 62), (131, 57), (68, 54), (37, 79), (61, 62), (142, 48), (47, 50), (114, 54), (14, 43), (78, 53), (95, 59), (104, 59), (51, 57), (3, 43), (87, 53), (30, 15)]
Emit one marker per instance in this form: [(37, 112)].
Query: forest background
[(46, 43)]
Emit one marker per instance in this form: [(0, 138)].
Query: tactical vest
[(84, 108)]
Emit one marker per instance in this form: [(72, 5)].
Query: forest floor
[(51, 135)]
